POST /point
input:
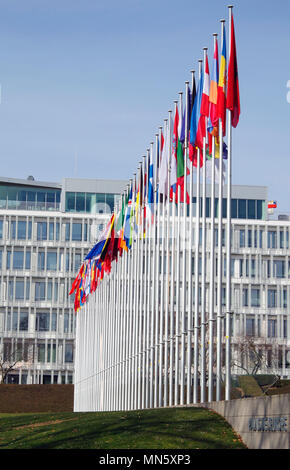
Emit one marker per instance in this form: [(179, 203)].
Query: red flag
[(233, 93)]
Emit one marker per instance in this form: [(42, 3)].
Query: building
[(46, 230)]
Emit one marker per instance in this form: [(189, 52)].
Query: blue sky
[(86, 84)]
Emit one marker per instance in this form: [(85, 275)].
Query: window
[(27, 260), (1, 228), (255, 298), (251, 209), (18, 259), (21, 230), (279, 268), (41, 352), (68, 352), (51, 263), (77, 232), (67, 231), (253, 268), (234, 208), (70, 202), (245, 299), (53, 322), (272, 239), (250, 238), (284, 298), (42, 322), (23, 322), (260, 209), (19, 290), (272, 328), (40, 290), (250, 326), (272, 298), (242, 238), (41, 230), (78, 261), (242, 208), (281, 239), (80, 202), (41, 259)]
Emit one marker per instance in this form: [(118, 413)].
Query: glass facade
[(240, 208), (91, 203), (28, 198)]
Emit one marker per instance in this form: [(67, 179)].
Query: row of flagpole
[(142, 313)]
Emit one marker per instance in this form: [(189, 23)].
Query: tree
[(12, 359)]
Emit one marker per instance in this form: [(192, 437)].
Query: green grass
[(169, 428)]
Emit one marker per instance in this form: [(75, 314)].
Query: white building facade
[(46, 230)]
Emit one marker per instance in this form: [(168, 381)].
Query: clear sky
[(86, 84)]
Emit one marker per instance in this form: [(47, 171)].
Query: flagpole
[(137, 298), (196, 293), (212, 269), (189, 308), (228, 262), (141, 324), (172, 290), (183, 332), (147, 300), (151, 285), (156, 274), (158, 221), (203, 258), (162, 286), (166, 339)]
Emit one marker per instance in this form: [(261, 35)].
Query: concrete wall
[(262, 422)]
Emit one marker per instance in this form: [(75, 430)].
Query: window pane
[(41, 257), (42, 322), (234, 208), (23, 324), (70, 202), (18, 259), (19, 290), (68, 353), (251, 209), (51, 261), (21, 230), (27, 260), (40, 290), (41, 231), (80, 202), (255, 298), (242, 209), (76, 232)]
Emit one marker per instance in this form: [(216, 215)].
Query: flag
[(195, 115), (163, 175), (221, 98), (233, 93), (151, 191), (272, 204), (204, 108), (173, 169), (216, 168), (213, 115)]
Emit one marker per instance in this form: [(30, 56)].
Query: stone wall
[(36, 398), (262, 422)]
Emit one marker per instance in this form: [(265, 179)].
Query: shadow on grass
[(145, 429)]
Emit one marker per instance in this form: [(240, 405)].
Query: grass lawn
[(169, 428)]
